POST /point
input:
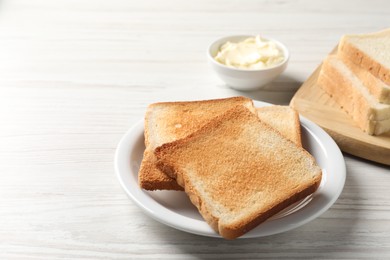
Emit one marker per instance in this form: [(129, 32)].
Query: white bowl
[(245, 79)]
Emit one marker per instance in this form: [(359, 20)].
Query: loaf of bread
[(347, 89), (358, 79), (238, 171)]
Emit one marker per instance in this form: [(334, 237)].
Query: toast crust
[(231, 233), (243, 186)]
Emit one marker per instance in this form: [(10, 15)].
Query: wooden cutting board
[(316, 105)]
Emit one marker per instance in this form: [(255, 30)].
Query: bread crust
[(362, 59), (377, 87), (167, 163)]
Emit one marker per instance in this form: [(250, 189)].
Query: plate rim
[(200, 227)]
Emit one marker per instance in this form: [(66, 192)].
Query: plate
[(173, 208)]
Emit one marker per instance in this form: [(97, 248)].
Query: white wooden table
[(75, 75)]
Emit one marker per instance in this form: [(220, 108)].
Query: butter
[(251, 53)]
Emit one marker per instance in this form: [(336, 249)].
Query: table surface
[(76, 75)]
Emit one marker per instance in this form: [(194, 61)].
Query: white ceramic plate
[(174, 209)]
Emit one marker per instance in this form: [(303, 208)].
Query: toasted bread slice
[(238, 171), (168, 121), (353, 96), (370, 51), (284, 119)]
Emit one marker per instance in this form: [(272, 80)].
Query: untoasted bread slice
[(371, 127), (284, 119), (238, 171), (370, 51), (377, 88), (353, 96), (353, 91), (168, 121)]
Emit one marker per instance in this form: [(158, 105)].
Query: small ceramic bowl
[(245, 79)]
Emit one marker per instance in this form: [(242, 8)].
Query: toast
[(369, 51), (283, 119), (238, 171), (353, 96), (168, 121)]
